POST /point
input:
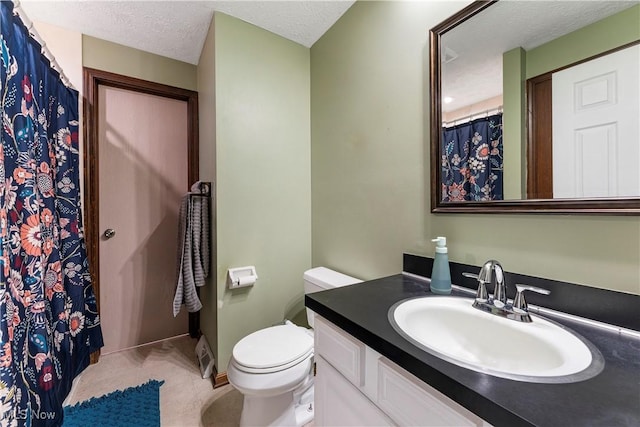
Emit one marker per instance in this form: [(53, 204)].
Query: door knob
[(109, 233)]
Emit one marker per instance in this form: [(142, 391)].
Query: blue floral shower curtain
[(472, 160), (49, 323)]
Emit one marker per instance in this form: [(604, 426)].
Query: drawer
[(345, 353), (408, 401)]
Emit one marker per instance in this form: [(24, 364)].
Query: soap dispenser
[(441, 275)]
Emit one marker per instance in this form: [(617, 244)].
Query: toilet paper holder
[(240, 277)]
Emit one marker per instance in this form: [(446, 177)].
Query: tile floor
[(186, 400)]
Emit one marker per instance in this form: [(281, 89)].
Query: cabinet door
[(345, 353), (339, 403), (411, 402)]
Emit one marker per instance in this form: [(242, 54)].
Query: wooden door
[(141, 152), (142, 171)]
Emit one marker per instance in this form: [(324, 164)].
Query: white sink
[(541, 351)]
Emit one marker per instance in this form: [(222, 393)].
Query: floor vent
[(205, 357)]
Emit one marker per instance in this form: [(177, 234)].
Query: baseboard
[(219, 379)]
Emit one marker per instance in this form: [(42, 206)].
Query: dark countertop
[(612, 398)]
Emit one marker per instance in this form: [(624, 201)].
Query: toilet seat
[(272, 349)]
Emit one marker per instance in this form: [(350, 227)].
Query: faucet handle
[(519, 301), (481, 294)]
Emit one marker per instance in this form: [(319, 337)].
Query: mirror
[(496, 66)]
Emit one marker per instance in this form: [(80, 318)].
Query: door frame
[(92, 79), (540, 137)]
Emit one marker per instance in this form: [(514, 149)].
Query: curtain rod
[(464, 119), (19, 11)]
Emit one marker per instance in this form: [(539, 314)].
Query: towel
[(194, 254), (199, 207)]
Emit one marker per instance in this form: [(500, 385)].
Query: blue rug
[(135, 407)]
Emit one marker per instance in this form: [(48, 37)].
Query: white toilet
[(273, 367)]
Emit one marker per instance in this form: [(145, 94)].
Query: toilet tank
[(321, 278)]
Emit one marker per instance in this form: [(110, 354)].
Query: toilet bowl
[(273, 367)]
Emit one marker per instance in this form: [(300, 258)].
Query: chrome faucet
[(492, 273)]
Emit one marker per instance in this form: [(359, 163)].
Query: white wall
[(66, 47)]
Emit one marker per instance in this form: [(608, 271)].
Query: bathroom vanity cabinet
[(356, 386), (368, 374)]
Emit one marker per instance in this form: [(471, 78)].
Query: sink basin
[(542, 351)]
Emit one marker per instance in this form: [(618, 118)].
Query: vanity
[(356, 386), (368, 374)]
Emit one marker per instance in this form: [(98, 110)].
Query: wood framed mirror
[(585, 167)]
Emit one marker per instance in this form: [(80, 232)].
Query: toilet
[(273, 367)]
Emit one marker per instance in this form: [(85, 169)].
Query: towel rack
[(205, 190)]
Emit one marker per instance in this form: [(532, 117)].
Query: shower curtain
[(472, 160), (49, 323)]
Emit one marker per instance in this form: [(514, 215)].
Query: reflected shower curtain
[(472, 160), (49, 323)]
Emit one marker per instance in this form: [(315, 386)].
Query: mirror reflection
[(540, 100)]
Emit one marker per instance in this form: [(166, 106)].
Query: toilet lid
[(274, 346)]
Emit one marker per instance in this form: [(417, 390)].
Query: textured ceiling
[(177, 29), (476, 73)]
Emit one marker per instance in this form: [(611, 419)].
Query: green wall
[(601, 36), (256, 88), (207, 155), (116, 58), (514, 124), (370, 169)]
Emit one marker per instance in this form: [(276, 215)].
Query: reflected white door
[(143, 175), (596, 143)]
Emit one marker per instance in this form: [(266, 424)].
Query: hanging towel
[(199, 209), (193, 249)]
